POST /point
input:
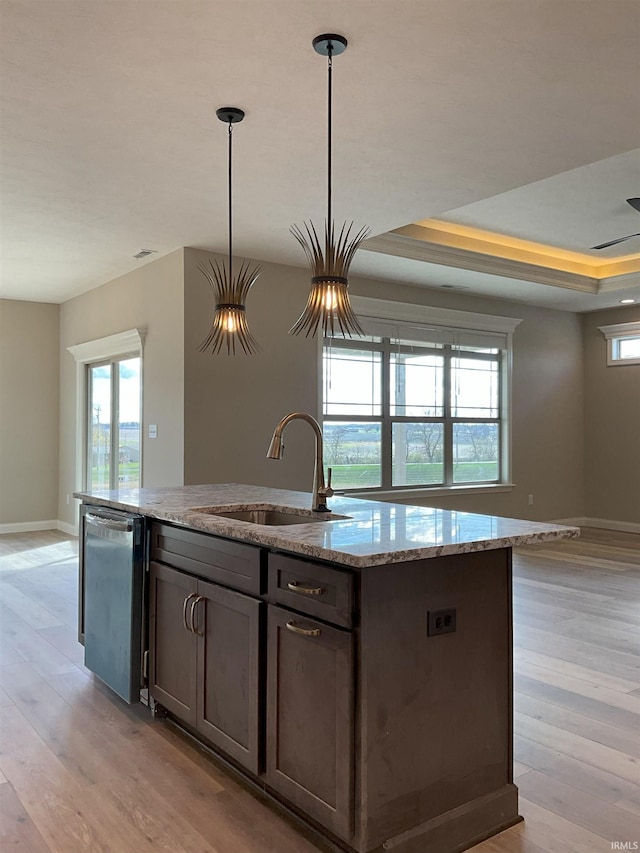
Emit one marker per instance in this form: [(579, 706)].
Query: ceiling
[(518, 119)]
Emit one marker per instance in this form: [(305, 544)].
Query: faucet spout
[(276, 448)]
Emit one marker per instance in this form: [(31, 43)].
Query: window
[(109, 411), (113, 424), (623, 343), (416, 406)]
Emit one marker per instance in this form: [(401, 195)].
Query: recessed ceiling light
[(626, 301), (144, 252)]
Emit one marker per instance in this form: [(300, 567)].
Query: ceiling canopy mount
[(330, 44)]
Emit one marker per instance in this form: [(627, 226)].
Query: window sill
[(619, 362), (438, 491)]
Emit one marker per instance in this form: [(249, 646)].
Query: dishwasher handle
[(124, 525)]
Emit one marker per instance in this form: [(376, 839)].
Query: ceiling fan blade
[(615, 242), (635, 203)]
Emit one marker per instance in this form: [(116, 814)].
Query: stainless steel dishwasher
[(114, 568)]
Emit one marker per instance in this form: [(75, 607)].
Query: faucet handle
[(327, 491)]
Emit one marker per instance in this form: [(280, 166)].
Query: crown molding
[(450, 256), (130, 341), (621, 330), (410, 312), (619, 282)]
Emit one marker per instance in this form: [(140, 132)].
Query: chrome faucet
[(276, 448)]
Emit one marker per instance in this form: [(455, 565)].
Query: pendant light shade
[(229, 328), (328, 305)]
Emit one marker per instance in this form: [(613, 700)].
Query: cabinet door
[(172, 645), (310, 717), (228, 706)]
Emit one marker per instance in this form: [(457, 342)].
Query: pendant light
[(230, 321), (328, 305)]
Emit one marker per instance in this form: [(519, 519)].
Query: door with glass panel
[(113, 424)]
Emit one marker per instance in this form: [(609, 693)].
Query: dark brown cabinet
[(204, 659), (315, 589), (330, 689), (310, 706), (228, 705), (172, 646)]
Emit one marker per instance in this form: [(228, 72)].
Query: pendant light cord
[(230, 208), (329, 126)]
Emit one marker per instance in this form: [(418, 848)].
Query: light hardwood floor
[(80, 772)]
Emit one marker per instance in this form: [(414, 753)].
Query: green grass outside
[(367, 476), (128, 476)]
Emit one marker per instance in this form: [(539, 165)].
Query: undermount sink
[(272, 517)]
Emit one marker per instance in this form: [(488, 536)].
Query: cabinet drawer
[(229, 563), (311, 588)]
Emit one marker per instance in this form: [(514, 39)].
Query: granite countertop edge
[(180, 506)]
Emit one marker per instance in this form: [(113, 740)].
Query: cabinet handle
[(184, 610), (194, 604), (294, 586), (306, 632)]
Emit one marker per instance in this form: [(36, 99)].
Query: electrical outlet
[(530, 500), (441, 622)]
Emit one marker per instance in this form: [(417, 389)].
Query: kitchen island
[(357, 668)]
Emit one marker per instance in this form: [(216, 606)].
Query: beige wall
[(150, 297), (216, 414), (28, 412), (233, 404), (612, 424), (546, 405)]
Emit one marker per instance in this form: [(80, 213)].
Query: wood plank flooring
[(80, 772)]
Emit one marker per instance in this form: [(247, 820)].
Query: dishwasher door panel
[(113, 602)]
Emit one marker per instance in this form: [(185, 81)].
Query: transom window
[(409, 407)]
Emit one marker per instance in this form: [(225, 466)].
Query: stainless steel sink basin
[(273, 517)]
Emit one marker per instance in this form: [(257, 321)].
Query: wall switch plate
[(153, 430), (441, 622)]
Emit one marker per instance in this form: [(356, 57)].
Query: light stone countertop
[(374, 533)]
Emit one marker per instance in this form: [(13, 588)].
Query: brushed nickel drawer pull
[(194, 604), (184, 610), (294, 586), (306, 632)]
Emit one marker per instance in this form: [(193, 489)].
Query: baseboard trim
[(64, 527), (461, 827), (30, 526), (609, 524), (603, 523)]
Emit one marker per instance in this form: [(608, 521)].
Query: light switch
[(153, 430)]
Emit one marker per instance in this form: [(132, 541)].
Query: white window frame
[(412, 316), (614, 334), (130, 342)]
